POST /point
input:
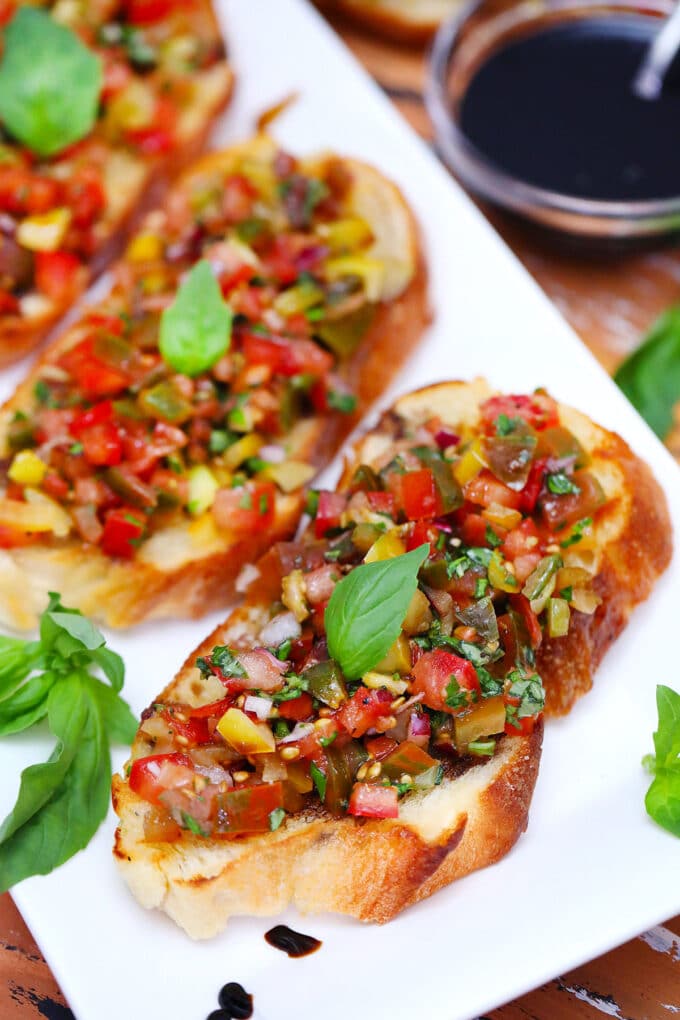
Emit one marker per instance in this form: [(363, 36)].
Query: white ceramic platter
[(592, 870)]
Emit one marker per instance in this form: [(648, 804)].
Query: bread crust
[(632, 535), (214, 88), (123, 593), (399, 20)]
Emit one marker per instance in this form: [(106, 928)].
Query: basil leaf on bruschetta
[(50, 83), (366, 611), (650, 376), (195, 329)]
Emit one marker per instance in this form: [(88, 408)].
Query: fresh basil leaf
[(195, 330), (62, 802), (79, 628), (17, 658), (121, 724), (663, 799), (367, 608), (663, 796), (650, 376), (667, 736), (112, 666), (50, 83), (27, 706)]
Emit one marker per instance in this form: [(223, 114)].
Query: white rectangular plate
[(592, 870)]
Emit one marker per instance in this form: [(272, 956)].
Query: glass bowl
[(460, 47)]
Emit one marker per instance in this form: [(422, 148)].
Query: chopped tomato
[(152, 776), (10, 537), (473, 530), (368, 801), (484, 490), (363, 710), (56, 273), (422, 532), (101, 412), (297, 708), (93, 376), (9, 305), (329, 510), (247, 508), (215, 709), (122, 530), (521, 604), (55, 486), (102, 444), (521, 540), (191, 731), (534, 483), (381, 502), (22, 191), (280, 261), (558, 511), (238, 195), (521, 727), (284, 356), (84, 193), (160, 138), (148, 12), (230, 279), (538, 410), (249, 808), (380, 747), (434, 671), (415, 492), (117, 74)]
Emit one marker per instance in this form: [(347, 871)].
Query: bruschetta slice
[(367, 727), (137, 480), (164, 78), (410, 21)]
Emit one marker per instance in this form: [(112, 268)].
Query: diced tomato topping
[(84, 193), (56, 273), (55, 486), (22, 191), (249, 808), (238, 195), (148, 12), (117, 74), (368, 801), (242, 274), (122, 530), (280, 261), (215, 709), (297, 708), (10, 538), (435, 670), (381, 502), (522, 605), (9, 305), (484, 490), (380, 747), (473, 530), (102, 444), (160, 138), (422, 532), (416, 493), (329, 510), (152, 776), (193, 731), (286, 357), (532, 490), (521, 540), (93, 376), (101, 412), (521, 727), (248, 507), (538, 410), (363, 710)]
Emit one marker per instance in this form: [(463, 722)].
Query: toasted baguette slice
[(627, 548), (133, 175), (368, 869), (410, 21), (187, 566)]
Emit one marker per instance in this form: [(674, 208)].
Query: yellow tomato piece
[(244, 735), (290, 475), (202, 489), (27, 468), (386, 547), (500, 577), (470, 463), (145, 247), (346, 234), (398, 658), (370, 270), (46, 231), (376, 680)]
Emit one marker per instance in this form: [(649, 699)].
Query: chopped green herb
[(275, 818), (481, 585), (319, 780), (562, 485), (482, 748), (345, 402), (492, 538), (576, 532), (75, 449), (192, 825)]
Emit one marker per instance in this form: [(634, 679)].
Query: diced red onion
[(261, 707), (301, 730), (280, 628), (311, 256), (272, 454), (444, 438), (419, 728)]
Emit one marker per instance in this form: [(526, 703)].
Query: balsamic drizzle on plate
[(292, 942)]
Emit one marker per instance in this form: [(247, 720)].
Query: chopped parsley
[(562, 485), (319, 780), (576, 532), (190, 823), (223, 659)]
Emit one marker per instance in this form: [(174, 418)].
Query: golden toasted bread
[(187, 566), (625, 550), (410, 21), (134, 177)]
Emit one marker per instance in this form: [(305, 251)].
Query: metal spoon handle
[(648, 80)]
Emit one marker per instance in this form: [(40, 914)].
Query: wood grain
[(609, 303)]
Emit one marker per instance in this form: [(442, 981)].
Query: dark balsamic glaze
[(292, 942), (235, 1003), (556, 109)]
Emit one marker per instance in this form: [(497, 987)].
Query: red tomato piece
[(534, 483), (368, 801), (521, 540), (249, 808), (10, 538), (435, 670), (56, 273), (422, 532), (381, 502), (193, 731), (247, 508), (215, 709), (280, 261), (416, 493), (521, 604), (484, 490), (363, 710), (122, 529), (85, 195), (473, 530), (297, 708), (152, 776), (330, 508), (22, 191), (521, 727), (101, 412), (102, 445), (538, 410), (238, 194), (9, 305), (94, 377), (160, 138), (148, 12), (380, 747)]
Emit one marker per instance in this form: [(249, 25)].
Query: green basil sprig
[(663, 796), (196, 329), (50, 83), (367, 608), (650, 376), (62, 801)]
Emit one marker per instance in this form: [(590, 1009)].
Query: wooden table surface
[(609, 303)]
